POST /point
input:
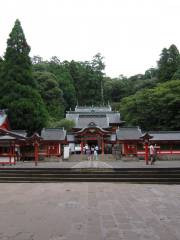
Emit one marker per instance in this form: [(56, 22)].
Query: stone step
[(122, 175), (130, 180)]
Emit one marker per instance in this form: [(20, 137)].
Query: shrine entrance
[(91, 143), (92, 136)]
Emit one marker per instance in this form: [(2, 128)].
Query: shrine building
[(93, 126)]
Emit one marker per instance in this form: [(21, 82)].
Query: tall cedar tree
[(25, 106)]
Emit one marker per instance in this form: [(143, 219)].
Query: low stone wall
[(168, 157), (52, 159)]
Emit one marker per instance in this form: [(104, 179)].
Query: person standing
[(88, 153), (96, 153), (152, 154), (92, 152)]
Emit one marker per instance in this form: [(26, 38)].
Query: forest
[(36, 93)]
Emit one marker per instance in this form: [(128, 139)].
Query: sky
[(129, 34)]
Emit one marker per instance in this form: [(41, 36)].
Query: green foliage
[(176, 75), (168, 64), (156, 108), (65, 123), (17, 64), (51, 94), (26, 109), (88, 80), (80, 82), (118, 88), (63, 78)]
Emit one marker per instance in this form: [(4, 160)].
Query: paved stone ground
[(89, 211), (96, 164)]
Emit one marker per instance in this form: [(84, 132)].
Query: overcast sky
[(130, 34)]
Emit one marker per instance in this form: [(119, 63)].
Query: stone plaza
[(89, 211)]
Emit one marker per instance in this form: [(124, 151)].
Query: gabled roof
[(113, 117), (100, 121), (20, 132), (53, 134), (165, 135), (93, 109), (128, 133), (92, 128), (12, 135), (102, 116)]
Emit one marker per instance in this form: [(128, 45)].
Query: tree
[(98, 67), (156, 108), (36, 59), (17, 64), (18, 93), (52, 95), (65, 123), (168, 64), (25, 107)]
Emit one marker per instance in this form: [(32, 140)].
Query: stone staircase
[(132, 175)]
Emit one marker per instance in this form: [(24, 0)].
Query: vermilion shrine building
[(98, 126)]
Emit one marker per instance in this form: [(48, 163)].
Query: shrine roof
[(7, 137), (128, 133), (20, 132), (93, 109), (53, 134), (165, 135), (13, 134), (100, 121)]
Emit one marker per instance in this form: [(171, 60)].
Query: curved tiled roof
[(165, 135), (53, 134), (101, 116), (100, 121), (128, 133)]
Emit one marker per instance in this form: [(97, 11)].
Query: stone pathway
[(89, 211), (92, 164)]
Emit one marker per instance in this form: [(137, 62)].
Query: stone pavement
[(95, 164), (89, 211)]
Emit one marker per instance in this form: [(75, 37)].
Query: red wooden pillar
[(81, 146), (36, 149), (146, 153)]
